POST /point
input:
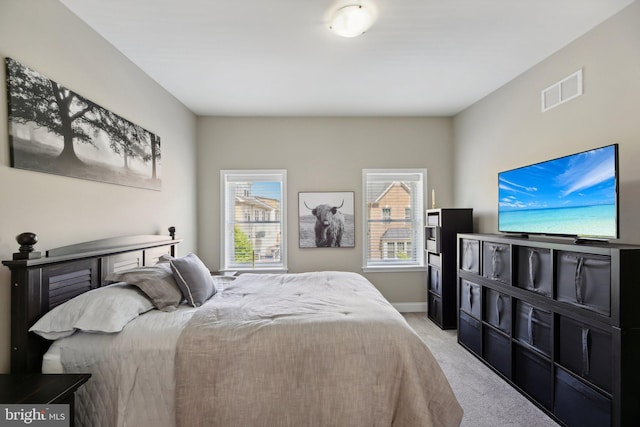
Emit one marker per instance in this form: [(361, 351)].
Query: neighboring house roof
[(253, 202), (274, 203), (397, 234), (384, 189)]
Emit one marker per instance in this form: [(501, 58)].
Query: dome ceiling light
[(351, 21)]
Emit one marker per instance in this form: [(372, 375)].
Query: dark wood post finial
[(172, 232), (27, 241)]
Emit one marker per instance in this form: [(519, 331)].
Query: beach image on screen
[(573, 195)]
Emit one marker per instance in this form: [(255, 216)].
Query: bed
[(314, 349)]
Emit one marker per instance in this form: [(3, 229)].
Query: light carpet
[(487, 400)]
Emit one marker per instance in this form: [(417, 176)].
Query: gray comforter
[(309, 349)]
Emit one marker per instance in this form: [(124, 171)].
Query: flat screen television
[(575, 195)]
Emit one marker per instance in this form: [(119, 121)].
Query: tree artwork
[(55, 130)]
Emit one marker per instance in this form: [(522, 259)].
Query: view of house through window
[(253, 204), (393, 209)]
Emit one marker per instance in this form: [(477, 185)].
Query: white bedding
[(132, 381), (51, 363)]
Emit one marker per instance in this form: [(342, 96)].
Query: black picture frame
[(54, 130)]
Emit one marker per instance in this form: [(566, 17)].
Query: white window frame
[(226, 232), (394, 265)]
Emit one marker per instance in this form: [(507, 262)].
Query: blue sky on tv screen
[(583, 179)]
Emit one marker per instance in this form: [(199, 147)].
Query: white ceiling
[(278, 57)]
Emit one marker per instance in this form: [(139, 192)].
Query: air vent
[(565, 90)]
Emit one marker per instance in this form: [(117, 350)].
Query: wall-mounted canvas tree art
[(54, 130)]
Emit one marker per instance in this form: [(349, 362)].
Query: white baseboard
[(410, 307)]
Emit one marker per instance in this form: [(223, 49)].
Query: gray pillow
[(157, 282), (193, 278)]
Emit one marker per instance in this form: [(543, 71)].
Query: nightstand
[(41, 389)]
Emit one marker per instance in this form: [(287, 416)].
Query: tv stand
[(557, 320)]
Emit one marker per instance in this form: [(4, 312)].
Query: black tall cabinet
[(442, 226), (557, 320)]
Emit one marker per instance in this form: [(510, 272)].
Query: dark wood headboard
[(40, 283)]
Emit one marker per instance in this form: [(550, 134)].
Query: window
[(393, 224), (253, 220), (386, 214), (396, 250)]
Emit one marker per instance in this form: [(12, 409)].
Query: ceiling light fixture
[(351, 21)]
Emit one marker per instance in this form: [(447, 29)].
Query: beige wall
[(45, 36), (507, 129), (322, 154)]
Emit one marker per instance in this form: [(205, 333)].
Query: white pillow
[(107, 309)]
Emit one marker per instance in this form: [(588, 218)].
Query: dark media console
[(558, 321)]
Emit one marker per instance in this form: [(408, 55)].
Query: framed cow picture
[(326, 219)]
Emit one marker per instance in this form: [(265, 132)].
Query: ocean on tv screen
[(599, 220)]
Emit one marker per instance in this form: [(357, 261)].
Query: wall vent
[(565, 90)]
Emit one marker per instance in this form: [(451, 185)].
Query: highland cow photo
[(326, 219)]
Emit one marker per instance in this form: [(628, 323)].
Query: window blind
[(254, 227), (393, 210)]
